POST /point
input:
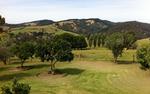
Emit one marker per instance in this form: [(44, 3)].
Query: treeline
[(100, 39), (96, 40)]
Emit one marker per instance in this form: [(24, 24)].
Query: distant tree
[(115, 43), (95, 38), (23, 51), (76, 41), (80, 42), (90, 40), (54, 51), (2, 20), (143, 56), (4, 54), (99, 40), (129, 39), (103, 39)]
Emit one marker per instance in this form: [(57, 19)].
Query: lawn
[(92, 72)]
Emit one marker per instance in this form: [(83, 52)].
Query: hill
[(46, 28), (84, 26), (142, 30), (88, 26), (32, 23)]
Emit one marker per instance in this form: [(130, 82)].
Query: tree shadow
[(3, 68), (69, 71), (38, 66), (9, 77), (125, 62)]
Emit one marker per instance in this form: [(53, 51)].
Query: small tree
[(143, 56), (23, 51), (54, 51), (114, 42)]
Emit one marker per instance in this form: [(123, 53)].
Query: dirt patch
[(21, 68), (46, 74)]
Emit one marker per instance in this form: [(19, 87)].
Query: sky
[(18, 11)]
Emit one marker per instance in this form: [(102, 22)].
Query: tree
[(103, 38), (99, 40), (114, 42), (90, 40), (95, 40), (129, 39), (23, 51), (143, 56), (54, 51), (80, 42), (76, 41), (2, 20), (4, 54)]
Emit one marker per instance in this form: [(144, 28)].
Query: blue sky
[(17, 11)]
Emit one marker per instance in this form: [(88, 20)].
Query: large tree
[(54, 51), (115, 43), (23, 51)]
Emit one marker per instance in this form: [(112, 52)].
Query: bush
[(17, 88), (143, 56)]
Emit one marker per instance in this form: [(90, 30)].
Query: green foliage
[(129, 39), (115, 43), (23, 51), (4, 54), (2, 20), (143, 56), (6, 90), (76, 41), (54, 51), (97, 40), (17, 88)]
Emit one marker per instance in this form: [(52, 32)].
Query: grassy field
[(46, 28), (92, 72)]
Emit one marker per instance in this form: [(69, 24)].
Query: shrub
[(17, 88), (143, 56)]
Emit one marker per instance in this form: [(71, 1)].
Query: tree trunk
[(5, 61), (115, 59), (22, 64), (51, 68)]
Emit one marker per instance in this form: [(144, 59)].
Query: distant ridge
[(93, 25)]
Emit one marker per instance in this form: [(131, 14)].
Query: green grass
[(90, 73), (47, 28), (143, 42), (102, 54)]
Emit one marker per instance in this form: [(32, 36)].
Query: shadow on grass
[(9, 77), (38, 66), (69, 71), (125, 62), (3, 68)]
